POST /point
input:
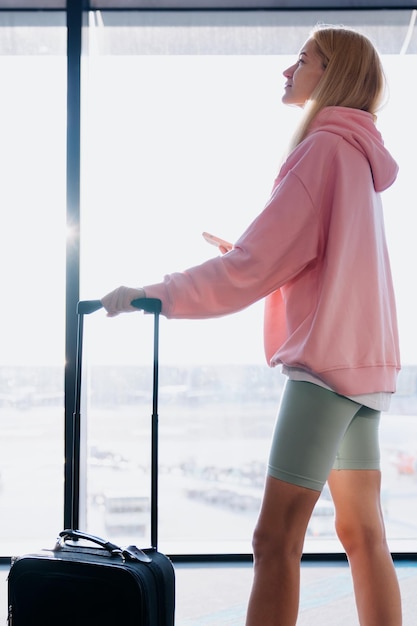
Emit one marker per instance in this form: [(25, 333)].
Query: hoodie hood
[(358, 128)]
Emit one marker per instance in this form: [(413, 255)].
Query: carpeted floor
[(215, 594)]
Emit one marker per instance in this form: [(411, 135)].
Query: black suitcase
[(85, 580)]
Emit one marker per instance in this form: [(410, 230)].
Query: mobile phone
[(216, 241)]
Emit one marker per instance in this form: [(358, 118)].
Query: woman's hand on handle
[(118, 300)]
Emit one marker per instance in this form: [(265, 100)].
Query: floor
[(216, 594)]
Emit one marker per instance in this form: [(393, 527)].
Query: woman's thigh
[(359, 448), (310, 428)]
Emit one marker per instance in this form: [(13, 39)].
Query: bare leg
[(278, 543), (360, 527)]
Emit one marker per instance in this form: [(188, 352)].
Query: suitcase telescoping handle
[(85, 307)]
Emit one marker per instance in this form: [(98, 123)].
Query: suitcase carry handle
[(131, 553), (85, 307)]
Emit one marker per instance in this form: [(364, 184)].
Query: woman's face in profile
[(304, 76)]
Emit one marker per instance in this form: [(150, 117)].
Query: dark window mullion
[(74, 34)]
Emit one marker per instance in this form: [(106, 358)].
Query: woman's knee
[(359, 519), (283, 519), (281, 543), (361, 534)]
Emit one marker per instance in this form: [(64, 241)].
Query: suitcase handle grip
[(150, 305), (131, 553)]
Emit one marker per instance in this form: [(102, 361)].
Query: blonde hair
[(353, 75)]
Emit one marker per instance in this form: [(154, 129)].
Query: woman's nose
[(288, 72)]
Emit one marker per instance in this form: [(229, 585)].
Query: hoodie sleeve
[(276, 247)]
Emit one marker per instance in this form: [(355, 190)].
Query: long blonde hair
[(353, 75)]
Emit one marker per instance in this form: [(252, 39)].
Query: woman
[(317, 253)]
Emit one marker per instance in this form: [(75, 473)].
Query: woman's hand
[(119, 300)]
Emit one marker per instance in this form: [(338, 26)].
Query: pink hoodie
[(317, 252)]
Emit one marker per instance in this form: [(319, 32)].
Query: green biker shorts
[(318, 430)]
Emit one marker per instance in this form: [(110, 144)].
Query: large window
[(32, 260), (183, 131)]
